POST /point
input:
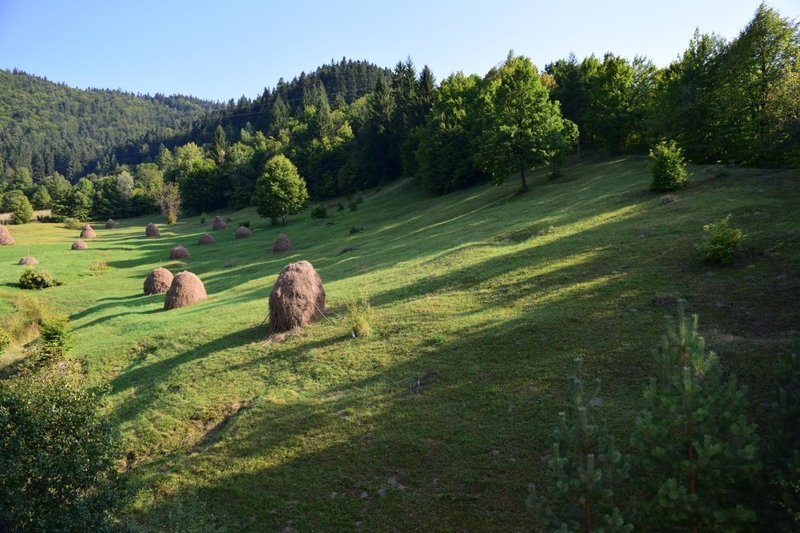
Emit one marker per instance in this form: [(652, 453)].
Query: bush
[(353, 205), (51, 347), (340, 206), (721, 242), (355, 229), (695, 453), (36, 278), (5, 341), (359, 315), (319, 211), (72, 223), (245, 224), (668, 167), (19, 206), (203, 218), (57, 455), (582, 466)]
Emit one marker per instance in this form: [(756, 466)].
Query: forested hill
[(48, 127)]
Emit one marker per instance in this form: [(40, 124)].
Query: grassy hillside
[(481, 301)]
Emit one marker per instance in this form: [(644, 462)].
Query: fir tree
[(694, 450), (582, 466)]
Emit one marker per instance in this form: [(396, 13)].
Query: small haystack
[(218, 223), (158, 281), (87, 232), (79, 245), (151, 231), (5, 236), (111, 224), (179, 252), (297, 298), (282, 244), (28, 260), (243, 233), (206, 239), (186, 289)]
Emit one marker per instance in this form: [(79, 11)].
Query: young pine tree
[(694, 451), (582, 465)]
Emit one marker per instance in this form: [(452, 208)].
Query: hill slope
[(48, 127), (481, 300)]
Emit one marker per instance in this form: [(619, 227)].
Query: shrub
[(19, 206), (51, 347), (355, 229), (694, 451), (582, 466), (37, 278), (57, 455), (5, 341), (353, 205), (245, 224), (203, 217), (72, 223), (360, 315), (668, 167), (319, 211), (721, 242), (340, 206)]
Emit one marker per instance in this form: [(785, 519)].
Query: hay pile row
[(182, 290)]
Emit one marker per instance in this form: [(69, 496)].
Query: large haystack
[(218, 223), (87, 232), (28, 260), (179, 252), (151, 231), (281, 244), (158, 281), (297, 298), (5, 236), (206, 239), (186, 289), (111, 224), (243, 233), (79, 245)]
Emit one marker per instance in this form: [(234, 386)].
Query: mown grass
[(480, 301)]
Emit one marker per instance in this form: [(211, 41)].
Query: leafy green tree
[(169, 201), (219, 147), (667, 166), (41, 198), (582, 467), (280, 191), (16, 203), (522, 128), (694, 452)]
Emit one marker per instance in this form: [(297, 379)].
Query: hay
[(281, 244), (218, 223), (28, 260), (206, 239), (158, 281), (87, 232), (79, 245), (243, 233), (151, 231), (179, 252), (5, 236), (186, 289), (111, 224), (297, 298)]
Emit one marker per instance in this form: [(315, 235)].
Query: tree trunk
[(524, 183)]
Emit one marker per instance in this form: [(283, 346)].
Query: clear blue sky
[(224, 49)]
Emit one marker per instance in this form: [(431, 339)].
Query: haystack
[(218, 223), (158, 281), (79, 245), (297, 298), (151, 231), (179, 252), (28, 260), (111, 224), (5, 236), (282, 244), (243, 233), (186, 289), (87, 232), (206, 239)]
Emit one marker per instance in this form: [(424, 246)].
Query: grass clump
[(72, 223), (359, 316), (5, 340), (668, 167), (721, 242), (98, 267), (356, 229), (319, 211), (37, 278)]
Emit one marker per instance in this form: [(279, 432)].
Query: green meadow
[(480, 300)]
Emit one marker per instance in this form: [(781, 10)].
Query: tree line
[(351, 125)]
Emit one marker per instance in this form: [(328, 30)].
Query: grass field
[(481, 300)]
